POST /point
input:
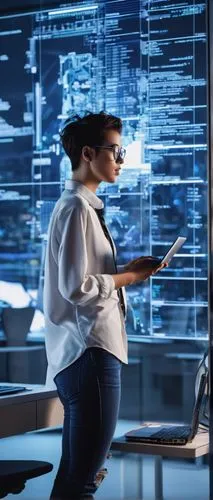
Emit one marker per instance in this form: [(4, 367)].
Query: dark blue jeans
[(89, 390)]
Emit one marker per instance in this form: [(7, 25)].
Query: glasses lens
[(116, 151), (122, 153), (119, 153)]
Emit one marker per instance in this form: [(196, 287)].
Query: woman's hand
[(144, 267)]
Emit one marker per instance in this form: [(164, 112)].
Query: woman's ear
[(87, 153)]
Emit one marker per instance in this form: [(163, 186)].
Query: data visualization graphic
[(145, 61)]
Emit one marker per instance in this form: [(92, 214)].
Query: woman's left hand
[(135, 264)]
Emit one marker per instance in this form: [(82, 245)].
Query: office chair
[(15, 473)]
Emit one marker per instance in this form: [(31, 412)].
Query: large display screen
[(145, 61)]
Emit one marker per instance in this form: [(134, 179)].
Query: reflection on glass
[(146, 62)]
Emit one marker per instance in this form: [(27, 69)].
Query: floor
[(183, 480)]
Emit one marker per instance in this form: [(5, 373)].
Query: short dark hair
[(86, 131)]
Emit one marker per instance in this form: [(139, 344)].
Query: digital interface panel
[(145, 61)]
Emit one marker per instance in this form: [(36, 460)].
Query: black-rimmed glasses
[(119, 153)]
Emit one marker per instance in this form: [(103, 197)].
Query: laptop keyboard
[(179, 431), (11, 389)]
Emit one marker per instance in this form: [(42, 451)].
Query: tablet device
[(174, 249)]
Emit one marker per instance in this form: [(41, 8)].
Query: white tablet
[(174, 249)]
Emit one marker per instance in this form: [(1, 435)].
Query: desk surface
[(198, 447), (33, 393)]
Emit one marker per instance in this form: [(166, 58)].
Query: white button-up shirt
[(81, 305)]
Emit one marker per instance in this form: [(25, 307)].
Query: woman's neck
[(91, 184)]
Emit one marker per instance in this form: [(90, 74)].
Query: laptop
[(170, 433), (11, 389)]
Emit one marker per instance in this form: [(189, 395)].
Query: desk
[(29, 410), (197, 448)]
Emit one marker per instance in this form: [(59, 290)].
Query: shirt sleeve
[(75, 285)]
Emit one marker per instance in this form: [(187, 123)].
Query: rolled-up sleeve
[(75, 285)]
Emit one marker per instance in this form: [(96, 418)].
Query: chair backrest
[(16, 324)]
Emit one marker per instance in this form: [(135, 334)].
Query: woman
[(84, 304)]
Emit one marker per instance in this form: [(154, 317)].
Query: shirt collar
[(91, 197)]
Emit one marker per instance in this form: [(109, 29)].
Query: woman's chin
[(112, 179)]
